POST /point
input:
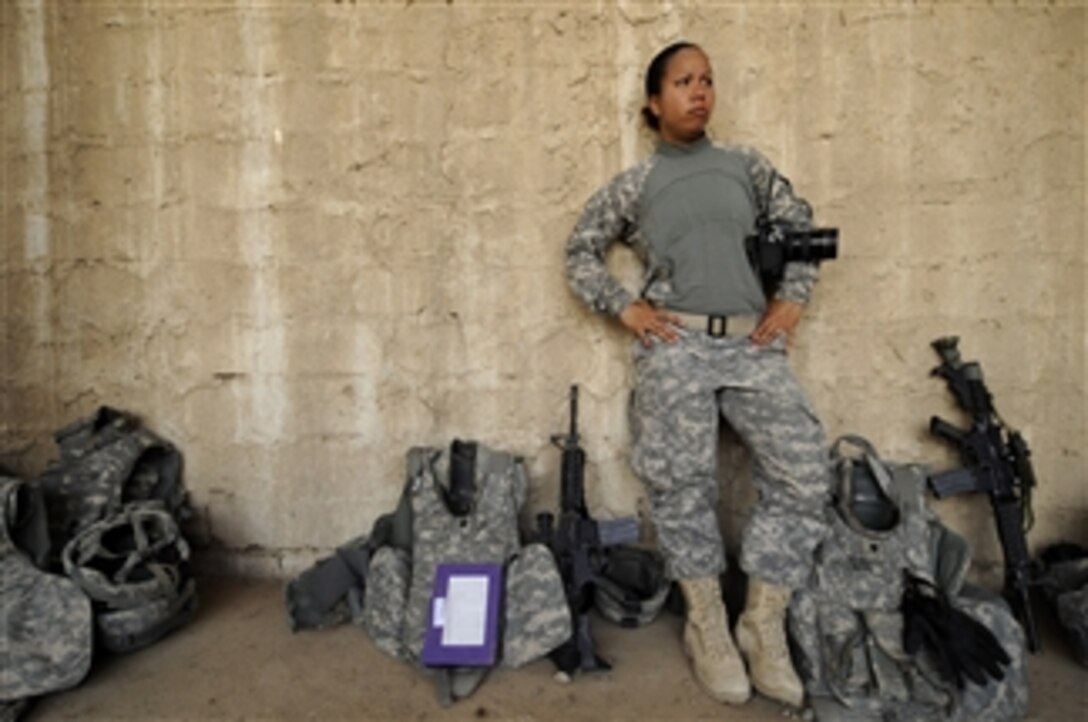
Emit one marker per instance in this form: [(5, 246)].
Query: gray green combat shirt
[(686, 211)]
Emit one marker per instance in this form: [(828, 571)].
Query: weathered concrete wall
[(300, 238)]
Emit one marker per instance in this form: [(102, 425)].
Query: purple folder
[(463, 619)]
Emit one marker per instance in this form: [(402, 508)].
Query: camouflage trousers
[(682, 390)]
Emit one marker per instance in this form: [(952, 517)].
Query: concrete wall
[(299, 238)]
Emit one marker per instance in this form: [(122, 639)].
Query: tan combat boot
[(708, 644), (761, 634)]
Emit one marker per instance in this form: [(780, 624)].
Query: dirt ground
[(239, 660)]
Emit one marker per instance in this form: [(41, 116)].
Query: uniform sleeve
[(778, 200), (609, 215)]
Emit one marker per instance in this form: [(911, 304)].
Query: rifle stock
[(947, 431)]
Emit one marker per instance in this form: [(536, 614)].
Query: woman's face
[(686, 101)]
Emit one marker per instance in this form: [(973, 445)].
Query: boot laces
[(772, 636), (711, 626), (717, 647)]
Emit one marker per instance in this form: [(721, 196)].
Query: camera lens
[(819, 244)]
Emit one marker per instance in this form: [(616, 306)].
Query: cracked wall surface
[(299, 238)]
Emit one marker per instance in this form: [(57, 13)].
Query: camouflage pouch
[(999, 700), (126, 630), (385, 600), (537, 616)]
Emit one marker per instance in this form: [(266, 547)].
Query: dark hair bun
[(650, 119)]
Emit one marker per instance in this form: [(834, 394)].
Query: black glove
[(963, 649)]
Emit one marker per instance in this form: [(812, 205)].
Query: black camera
[(774, 245)]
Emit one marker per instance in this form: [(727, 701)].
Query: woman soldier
[(710, 343)]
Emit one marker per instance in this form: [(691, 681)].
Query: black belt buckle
[(715, 326)]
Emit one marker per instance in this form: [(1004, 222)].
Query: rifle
[(577, 542), (998, 463)]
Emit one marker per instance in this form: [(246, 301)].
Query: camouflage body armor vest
[(847, 624), (114, 499), (107, 460), (45, 620), (400, 582)]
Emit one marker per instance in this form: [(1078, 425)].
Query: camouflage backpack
[(848, 623)]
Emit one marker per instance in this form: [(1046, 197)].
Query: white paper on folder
[(439, 613), (466, 611)]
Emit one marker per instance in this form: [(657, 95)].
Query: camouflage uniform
[(686, 212)]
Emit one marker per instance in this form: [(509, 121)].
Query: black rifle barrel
[(572, 494), (1010, 531)]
